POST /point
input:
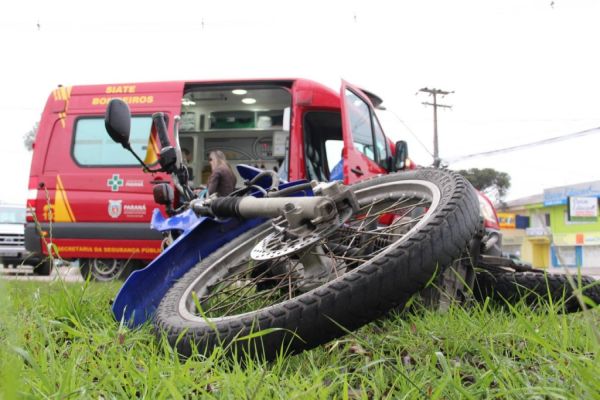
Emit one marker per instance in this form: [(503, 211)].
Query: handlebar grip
[(225, 207), (158, 119)]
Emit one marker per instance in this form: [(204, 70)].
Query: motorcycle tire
[(375, 276), (535, 288)]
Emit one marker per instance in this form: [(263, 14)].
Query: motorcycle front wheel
[(410, 225)]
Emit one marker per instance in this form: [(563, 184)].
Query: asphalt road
[(25, 273)]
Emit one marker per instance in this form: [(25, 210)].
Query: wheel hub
[(277, 245), (105, 269), (286, 241)]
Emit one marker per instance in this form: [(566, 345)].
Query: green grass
[(60, 341)]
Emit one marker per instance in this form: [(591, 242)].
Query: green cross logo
[(114, 183)]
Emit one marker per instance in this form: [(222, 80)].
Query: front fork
[(331, 206), (302, 222), (456, 283)]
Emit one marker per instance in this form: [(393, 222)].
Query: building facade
[(559, 228)]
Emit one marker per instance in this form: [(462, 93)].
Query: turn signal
[(31, 200)]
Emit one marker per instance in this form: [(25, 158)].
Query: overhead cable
[(411, 132), (525, 145)]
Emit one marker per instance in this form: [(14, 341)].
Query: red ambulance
[(90, 201)]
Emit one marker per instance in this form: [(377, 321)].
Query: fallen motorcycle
[(286, 266)]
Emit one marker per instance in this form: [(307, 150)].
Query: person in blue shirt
[(337, 173)]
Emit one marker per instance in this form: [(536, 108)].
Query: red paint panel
[(306, 96)]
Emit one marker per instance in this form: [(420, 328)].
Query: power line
[(411, 132), (526, 145)]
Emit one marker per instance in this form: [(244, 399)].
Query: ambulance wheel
[(44, 268), (408, 226), (105, 269)]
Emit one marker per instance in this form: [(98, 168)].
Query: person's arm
[(213, 181)]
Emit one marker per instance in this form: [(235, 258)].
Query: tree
[(29, 137), (489, 181)]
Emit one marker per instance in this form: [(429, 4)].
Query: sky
[(520, 71)]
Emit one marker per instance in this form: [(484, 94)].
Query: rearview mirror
[(399, 162), (117, 121), (163, 194)]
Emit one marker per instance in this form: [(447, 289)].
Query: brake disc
[(282, 242)]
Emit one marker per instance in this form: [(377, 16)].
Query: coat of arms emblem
[(115, 207)]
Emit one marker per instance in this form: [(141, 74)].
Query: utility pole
[(435, 105)]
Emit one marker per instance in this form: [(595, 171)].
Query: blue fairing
[(142, 292), (144, 289), (248, 172), (181, 222)]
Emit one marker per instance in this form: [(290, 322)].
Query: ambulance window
[(93, 147), (333, 148), (380, 144), (360, 124)]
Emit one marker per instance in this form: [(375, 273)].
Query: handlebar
[(158, 119)]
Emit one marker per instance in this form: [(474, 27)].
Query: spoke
[(370, 218), (239, 299), (397, 206), (391, 210), (235, 278), (333, 260), (384, 231), (373, 203), (349, 258), (361, 225), (280, 285), (236, 291), (357, 241), (229, 307), (238, 273), (287, 279), (346, 258), (248, 288)]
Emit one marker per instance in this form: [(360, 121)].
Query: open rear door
[(365, 153)]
